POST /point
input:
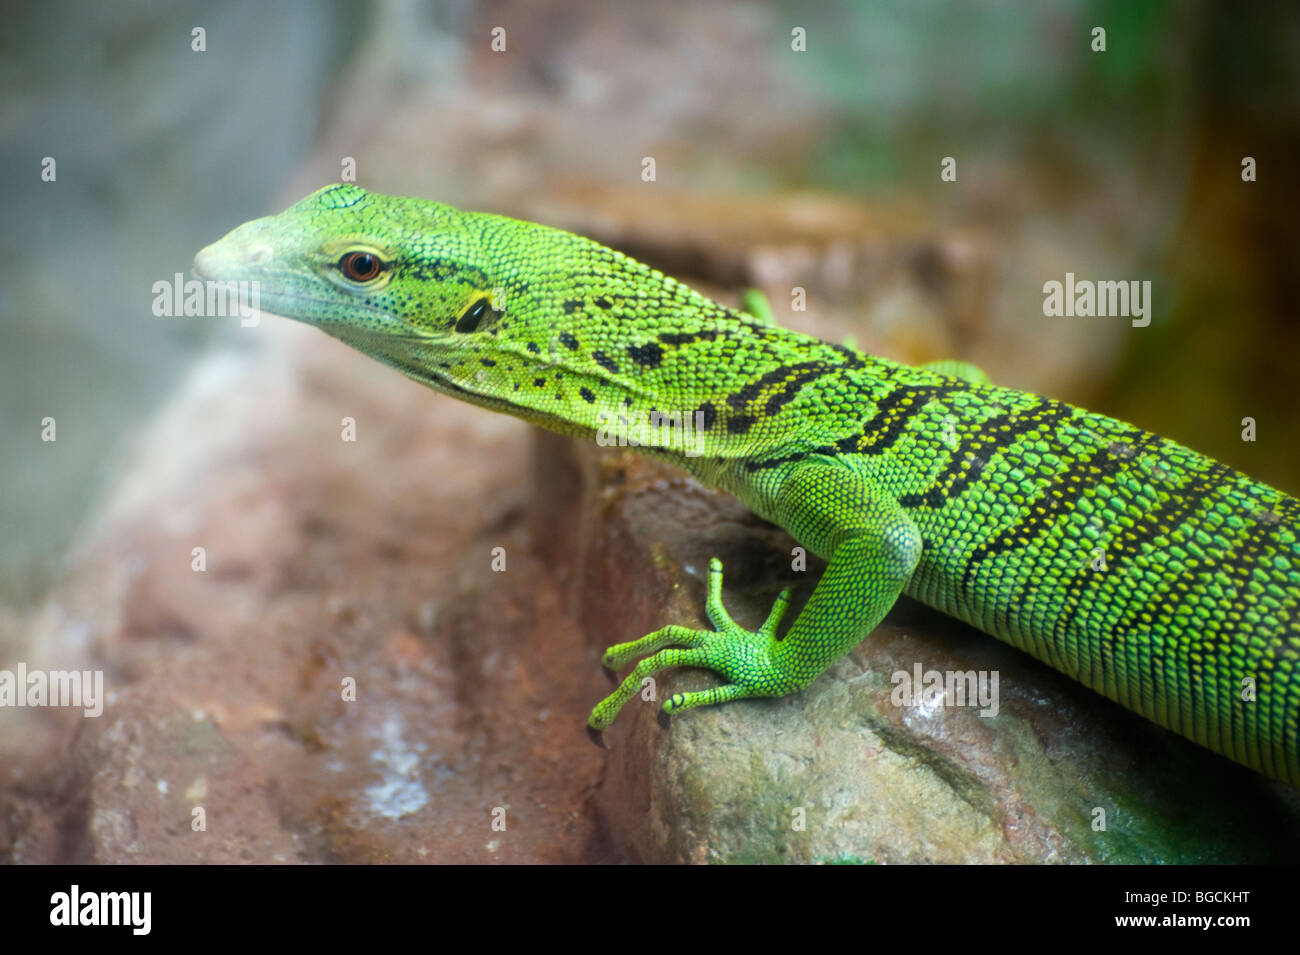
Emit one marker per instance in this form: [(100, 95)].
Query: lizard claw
[(596, 736), (742, 657)]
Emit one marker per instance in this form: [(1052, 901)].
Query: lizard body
[(1152, 574)]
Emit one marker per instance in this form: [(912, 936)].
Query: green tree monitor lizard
[(1152, 574)]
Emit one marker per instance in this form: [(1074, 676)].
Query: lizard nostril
[(259, 254)]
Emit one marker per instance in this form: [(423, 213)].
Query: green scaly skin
[(989, 504)]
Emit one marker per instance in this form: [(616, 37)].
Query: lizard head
[(366, 268), (511, 315)]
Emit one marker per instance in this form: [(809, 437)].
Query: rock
[(326, 561)]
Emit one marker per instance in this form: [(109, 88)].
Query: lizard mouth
[(207, 263), (440, 382)]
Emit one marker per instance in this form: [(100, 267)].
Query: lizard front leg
[(873, 548)]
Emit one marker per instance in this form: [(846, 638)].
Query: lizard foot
[(741, 656)]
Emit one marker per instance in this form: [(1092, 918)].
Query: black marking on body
[(980, 445), (441, 270), (604, 361), (893, 412), (1248, 552), (798, 374), (568, 341), (475, 315), (792, 386), (1170, 595), (851, 358), (1060, 495), (792, 379), (1264, 527), (649, 355), (685, 338), (740, 424), (1126, 545), (587, 396)]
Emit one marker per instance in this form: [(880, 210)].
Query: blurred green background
[(1117, 165)]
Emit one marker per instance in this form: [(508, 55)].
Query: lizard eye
[(473, 315), (360, 266)]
